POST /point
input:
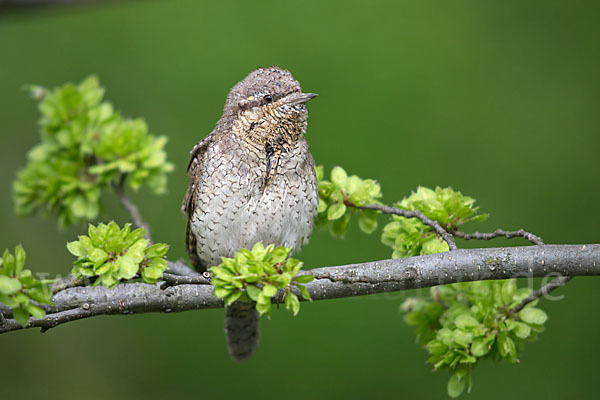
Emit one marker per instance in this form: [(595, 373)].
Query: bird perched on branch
[(251, 180)]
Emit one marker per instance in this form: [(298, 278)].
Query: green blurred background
[(497, 99)]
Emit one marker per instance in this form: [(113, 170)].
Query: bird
[(252, 179)]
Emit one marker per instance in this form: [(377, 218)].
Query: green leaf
[(506, 347), (462, 338), (367, 222), (269, 290), (159, 264), (480, 347), (338, 176), (263, 308), (151, 275), (221, 273), (435, 347), (335, 211), (8, 285), (292, 266), (322, 205), (9, 263), (319, 170), (509, 287), (40, 294), (304, 292), (76, 248), (221, 292), (340, 225), (8, 301), (434, 246), (253, 292), (304, 278), (521, 330), (157, 250), (465, 321), (21, 316), (279, 255), (456, 385), (19, 259), (258, 251), (35, 311), (98, 255), (103, 268), (232, 297), (533, 315), (292, 304), (126, 267)]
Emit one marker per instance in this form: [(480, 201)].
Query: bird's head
[(268, 105)]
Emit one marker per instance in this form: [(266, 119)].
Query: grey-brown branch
[(130, 207), (414, 214), (461, 265), (500, 232), (541, 292)]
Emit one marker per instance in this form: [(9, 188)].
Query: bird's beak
[(299, 98)]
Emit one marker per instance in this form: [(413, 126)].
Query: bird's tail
[(241, 329)]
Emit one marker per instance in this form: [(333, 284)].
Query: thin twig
[(69, 283), (541, 292), (499, 232), (173, 280), (179, 267), (447, 236), (131, 208)]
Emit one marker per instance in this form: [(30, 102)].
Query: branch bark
[(437, 228), (541, 292), (461, 265), (130, 207), (500, 232)]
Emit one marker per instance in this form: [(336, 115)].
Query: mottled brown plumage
[(252, 180)]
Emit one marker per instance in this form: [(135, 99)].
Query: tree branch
[(330, 282), (447, 236), (180, 268), (541, 292), (131, 208), (499, 232)]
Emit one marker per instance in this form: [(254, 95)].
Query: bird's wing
[(194, 168), (194, 172)]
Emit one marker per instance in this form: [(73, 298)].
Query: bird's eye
[(268, 98)]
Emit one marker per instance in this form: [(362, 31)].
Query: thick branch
[(332, 282)]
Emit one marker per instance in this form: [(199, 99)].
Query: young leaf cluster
[(465, 322), (18, 287), (340, 196), (410, 237), (257, 275), (85, 146), (110, 254)]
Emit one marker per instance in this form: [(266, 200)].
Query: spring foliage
[(338, 198), (458, 324), (18, 287), (109, 255), (257, 275), (463, 323), (410, 237), (85, 147)]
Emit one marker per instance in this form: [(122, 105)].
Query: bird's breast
[(251, 197)]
